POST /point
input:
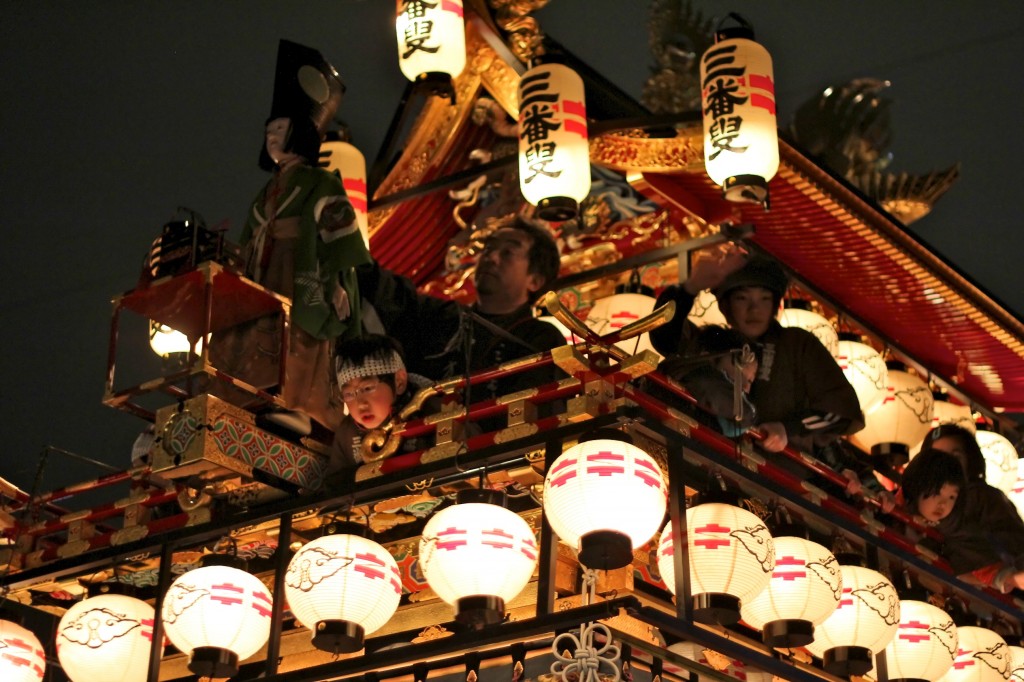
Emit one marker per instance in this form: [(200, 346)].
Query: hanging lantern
[(865, 369), (945, 412), (218, 615), (107, 637), (704, 310), (981, 656), (478, 555), (554, 151), (714, 660), (732, 557), (741, 143), (1000, 459), (22, 658), (863, 624), (342, 587), (612, 313), (1016, 664), (347, 161), (903, 419), (925, 643), (1016, 493), (798, 313), (164, 340), (431, 43), (803, 591), (605, 497)]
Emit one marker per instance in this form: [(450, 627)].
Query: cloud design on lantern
[(180, 597), (996, 657), (758, 542), (881, 599), (946, 634), (919, 400), (828, 573), (314, 565), (96, 627)]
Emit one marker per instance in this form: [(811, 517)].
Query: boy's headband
[(370, 367)]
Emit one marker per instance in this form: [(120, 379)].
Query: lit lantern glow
[(925, 643), (714, 660), (901, 422), (605, 497), (1000, 459), (554, 150), (348, 162), (946, 412), (704, 310), (342, 587), (106, 637), (863, 624), (732, 557), (218, 615), (1016, 493), (865, 369), (795, 315), (803, 591), (981, 656), (1016, 664), (741, 143), (478, 556), (609, 315), (164, 341), (22, 658), (431, 42)]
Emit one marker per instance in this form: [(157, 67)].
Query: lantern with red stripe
[(342, 587), (218, 615), (22, 658), (863, 624), (1000, 459), (903, 419), (554, 150), (803, 591), (348, 162), (981, 656), (741, 142), (478, 555), (431, 42), (732, 557), (611, 314), (107, 637), (864, 368), (925, 643), (605, 496)]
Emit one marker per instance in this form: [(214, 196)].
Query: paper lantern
[(218, 615), (1016, 493), (803, 591), (925, 643), (348, 162), (342, 587), (164, 340), (903, 419), (714, 660), (865, 369), (1016, 664), (981, 656), (795, 314), (431, 42), (554, 151), (741, 144), (605, 497), (107, 637), (22, 658), (704, 310), (612, 313), (863, 624), (945, 412), (732, 556), (478, 556), (1000, 459)]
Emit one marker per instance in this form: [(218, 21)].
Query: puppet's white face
[(277, 140)]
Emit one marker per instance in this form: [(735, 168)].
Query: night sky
[(114, 114)]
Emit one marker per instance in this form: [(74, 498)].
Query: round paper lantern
[(348, 162), (863, 624), (342, 587), (865, 369), (981, 656), (477, 555), (741, 143), (22, 658), (165, 341), (732, 556), (431, 42), (798, 314), (612, 313), (712, 659), (803, 591), (218, 615), (925, 643), (1016, 493), (903, 419), (704, 310), (1016, 664), (605, 497), (1000, 459), (554, 150), (107, 637), (945, 412)]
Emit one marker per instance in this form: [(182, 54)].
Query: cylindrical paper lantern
[(795, 314), (1000, 459), (22, 658), (107, 637), (431, 40), (903, 419), (925, 643), (865, 369), (612, 313), (981, 656), (345, 159)]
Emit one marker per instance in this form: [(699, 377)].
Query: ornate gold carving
[(199, 516), (431, 633), (129, 534), (524, 35), (442, 451), (623, 151), (72, 549), (515, 432), (420, 485)]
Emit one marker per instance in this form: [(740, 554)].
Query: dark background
[(113, 114)]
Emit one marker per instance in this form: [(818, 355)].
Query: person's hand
[(853, 486), (775, 438), (886, 501), (340, 303), (710, 267)]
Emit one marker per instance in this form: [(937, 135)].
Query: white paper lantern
[(925, 643), (164, 340), (901, 422), (704, 310), (107, 637), (810, 321), (1016, 493), (554, 150), (1000, 459), (610, 314), (732, 556), (863, 624), (712, 659), (431, 40), (865, 369), (981, 656), (605, 498), (477, 556), (945, 412), (342, 587), (803, 591), (345, 159), (1016, 664), (218, 615), (741, 144), (22, 658)]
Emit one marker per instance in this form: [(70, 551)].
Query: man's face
[(502, 270), (277, 140), (934, 508), (369, 401), (750, 311)]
